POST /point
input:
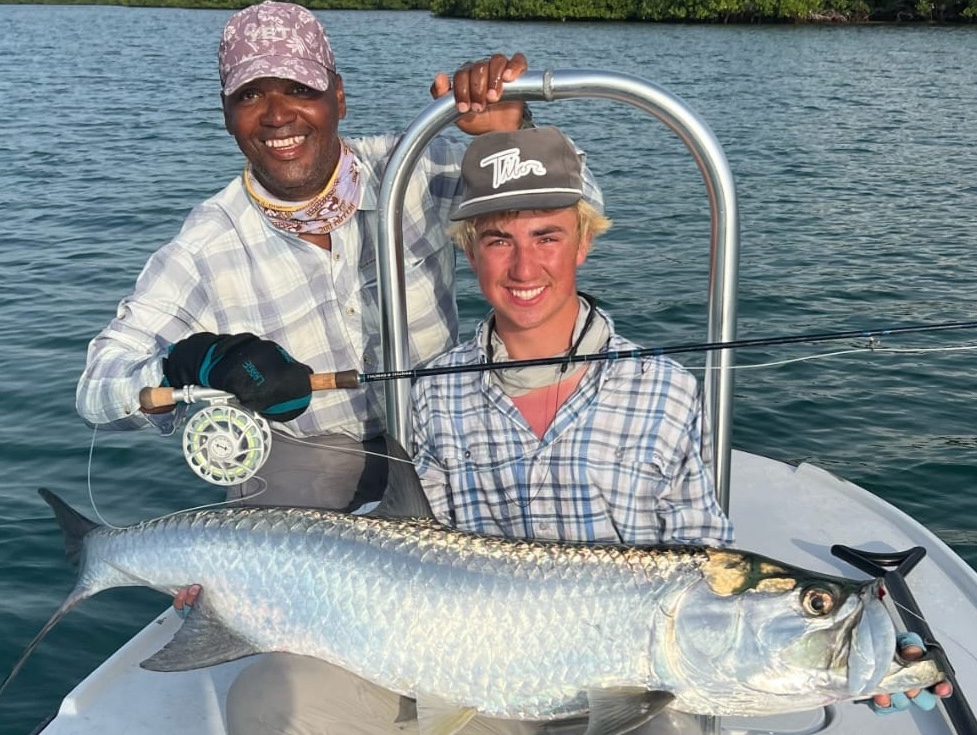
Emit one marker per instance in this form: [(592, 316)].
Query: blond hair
[(590, 223)]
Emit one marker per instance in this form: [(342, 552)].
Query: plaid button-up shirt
[(229, 271), (620, 463)]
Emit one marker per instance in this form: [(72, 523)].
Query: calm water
[(855, 155)]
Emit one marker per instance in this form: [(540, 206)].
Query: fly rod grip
[(332, 381), (163, 398), (155, 398)]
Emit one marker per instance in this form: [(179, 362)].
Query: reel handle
[(153, 399)]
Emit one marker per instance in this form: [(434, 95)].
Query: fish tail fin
[(76, 596), (73, 524), (75, 527)]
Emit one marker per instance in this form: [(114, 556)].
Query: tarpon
[(531, 630)]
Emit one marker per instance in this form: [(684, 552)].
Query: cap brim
[(303, 71), (516, 202)]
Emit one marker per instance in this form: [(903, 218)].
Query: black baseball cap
[(534, 168)]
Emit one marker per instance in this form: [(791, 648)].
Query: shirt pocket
[(635, 474), (483, 487), (483, 459)]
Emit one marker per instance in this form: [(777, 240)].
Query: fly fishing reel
[(225, 444)]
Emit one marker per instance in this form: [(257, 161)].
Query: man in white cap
[(281, 263)]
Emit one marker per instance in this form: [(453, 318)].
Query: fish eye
[(817, 601)]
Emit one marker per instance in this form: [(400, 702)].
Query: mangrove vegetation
[(661, 11)]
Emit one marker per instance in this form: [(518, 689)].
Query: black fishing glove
[(262, 375)]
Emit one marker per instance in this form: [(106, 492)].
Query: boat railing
[(549, 86)]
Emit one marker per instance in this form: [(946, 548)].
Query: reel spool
[(226, 445)]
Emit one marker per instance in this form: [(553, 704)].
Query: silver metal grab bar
[(548, 86)]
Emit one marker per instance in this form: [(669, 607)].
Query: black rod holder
[(892, 568)]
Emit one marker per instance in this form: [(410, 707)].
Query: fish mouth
[(874, 666), (872, 647)]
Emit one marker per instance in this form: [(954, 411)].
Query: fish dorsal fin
[(436, 717), (617, 710), (404, 496), (203, 640), (73, 524)]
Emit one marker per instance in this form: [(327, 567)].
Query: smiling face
[(289, 132), (526, 265)]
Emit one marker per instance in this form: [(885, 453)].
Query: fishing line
[(347, 450), (91, 493), (943, 634), (856, 350), (262, 486), (256, 459)]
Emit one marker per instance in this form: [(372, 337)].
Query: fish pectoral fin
[(435, 717), (203, 640), (406, 710), (617, 710)]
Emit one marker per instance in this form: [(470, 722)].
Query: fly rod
[(161, 397)]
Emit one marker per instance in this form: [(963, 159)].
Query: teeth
[(526, 294), (285, 142)]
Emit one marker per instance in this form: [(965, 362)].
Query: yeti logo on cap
[(255, 34), (508, 166)]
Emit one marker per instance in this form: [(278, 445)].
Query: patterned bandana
[(324, 212), (590, 334)]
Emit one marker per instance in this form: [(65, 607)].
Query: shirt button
[(337, 257), (350, 310)]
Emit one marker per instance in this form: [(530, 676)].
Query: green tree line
[(712, 11), (237, 4), (672, 11)]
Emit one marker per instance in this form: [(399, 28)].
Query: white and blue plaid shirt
[(229, 271), (620, 463)]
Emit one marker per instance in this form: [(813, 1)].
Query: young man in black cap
[(600, 452)]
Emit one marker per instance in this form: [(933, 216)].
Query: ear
[(340, 97), (470, 254), (227, 119), (583, 249)]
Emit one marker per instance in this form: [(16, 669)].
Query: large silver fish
[(506, 628)]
